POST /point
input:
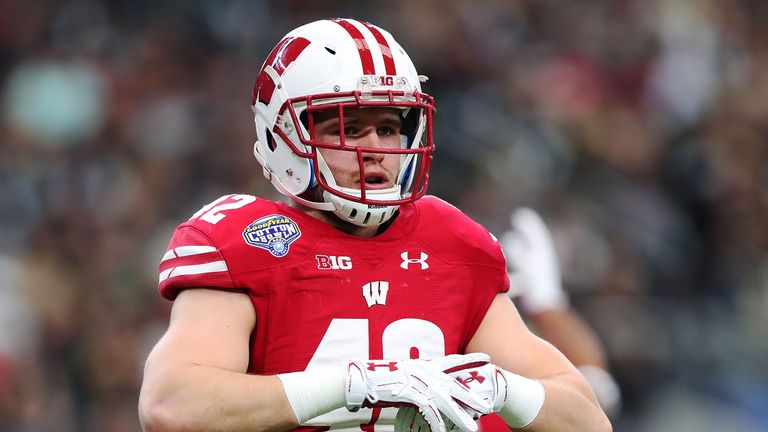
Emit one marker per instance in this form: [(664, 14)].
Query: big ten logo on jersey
[(332, 262)]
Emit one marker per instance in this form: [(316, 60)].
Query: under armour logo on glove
[(421, 260), (473, 376), (487, 381)]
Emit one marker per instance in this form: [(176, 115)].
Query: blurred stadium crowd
[(639, 129)]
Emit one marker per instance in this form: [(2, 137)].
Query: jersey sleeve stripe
[(187, 251), (197, 269)]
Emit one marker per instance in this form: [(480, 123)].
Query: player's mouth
[(376, 180)]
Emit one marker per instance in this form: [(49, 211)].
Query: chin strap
[(364, 215), (325, 206)]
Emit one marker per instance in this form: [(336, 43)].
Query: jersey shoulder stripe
[(192, 260)]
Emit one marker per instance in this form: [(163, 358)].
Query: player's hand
[(516, 398), (423, 384), (534, 270), (487, 381), (408, 419)]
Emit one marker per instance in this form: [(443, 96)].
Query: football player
[(360, 295)]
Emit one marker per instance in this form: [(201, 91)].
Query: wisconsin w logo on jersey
[(376, 292)]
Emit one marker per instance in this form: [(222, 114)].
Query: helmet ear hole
[(271, 144)]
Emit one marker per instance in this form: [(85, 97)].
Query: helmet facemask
[(367, 205)]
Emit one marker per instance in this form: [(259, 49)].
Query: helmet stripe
[(280, 58), (362, 46), (386, 51)]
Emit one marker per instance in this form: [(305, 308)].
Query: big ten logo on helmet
[(332, 262), (386, 80), (369, 81)]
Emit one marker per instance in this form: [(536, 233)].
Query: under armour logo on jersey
[(422, 260), (473, 376), (376, 292)]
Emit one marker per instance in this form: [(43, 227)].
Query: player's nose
[(372, 140)]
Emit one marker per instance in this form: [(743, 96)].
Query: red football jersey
[(321, 296)]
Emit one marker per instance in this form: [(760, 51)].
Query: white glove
[(408, 419), (517, 399), (533, 268), (421, 383)]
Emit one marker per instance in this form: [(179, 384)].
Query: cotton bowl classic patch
[(274, 233)]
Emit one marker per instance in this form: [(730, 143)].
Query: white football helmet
[(332, 65)]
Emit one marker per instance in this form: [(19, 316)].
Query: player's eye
[(386, 131)]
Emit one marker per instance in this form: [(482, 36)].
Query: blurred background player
[(535, 285)]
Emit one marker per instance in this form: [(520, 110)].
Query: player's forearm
[(568, 405), (189, 397)]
